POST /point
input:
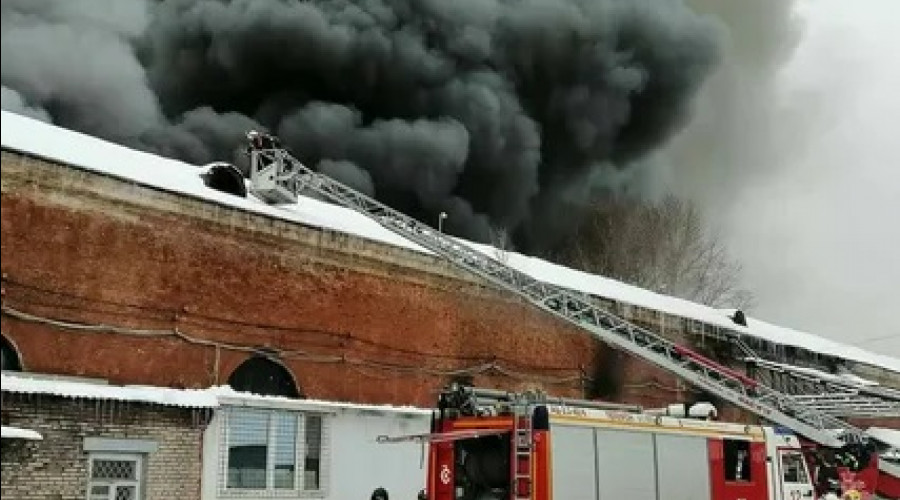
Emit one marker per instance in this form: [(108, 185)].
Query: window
[(272, 450), (263, 376), (114, 476), (737, 460), (793, 467)]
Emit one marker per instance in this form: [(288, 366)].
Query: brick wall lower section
[(56, 467)]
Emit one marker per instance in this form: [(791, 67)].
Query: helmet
[(380, 494), (252, 134)]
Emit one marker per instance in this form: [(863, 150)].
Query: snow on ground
[(78, 150), (7, 432)]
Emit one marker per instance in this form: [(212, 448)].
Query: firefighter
[(260, 140), (739, 318), (379, 494), (827, 475), (255, 140)]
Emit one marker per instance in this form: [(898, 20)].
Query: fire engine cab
[(492, 445)]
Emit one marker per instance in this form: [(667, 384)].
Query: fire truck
[(491, 445), (543, 442)]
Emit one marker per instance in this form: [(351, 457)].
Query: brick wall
[(357, 320), (56, 467)]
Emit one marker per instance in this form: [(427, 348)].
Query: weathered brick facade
[(56, 468), (357, 320), (352, 319)]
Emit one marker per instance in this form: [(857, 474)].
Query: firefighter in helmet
[(255, 140), (259, 140)]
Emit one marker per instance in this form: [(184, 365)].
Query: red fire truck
[(493, 445)]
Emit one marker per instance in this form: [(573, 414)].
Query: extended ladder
[(579, 309), (828, 393), (523, 447)]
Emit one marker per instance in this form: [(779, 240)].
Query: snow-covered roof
[(796, 338), (37, 138), (228, 396), (186, 398), (211, 397), (7, 432)]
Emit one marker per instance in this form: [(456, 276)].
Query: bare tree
[(665, 247)]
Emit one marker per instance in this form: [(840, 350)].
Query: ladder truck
[(488, 444), (277, 177)]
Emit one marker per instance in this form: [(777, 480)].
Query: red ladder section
[(523, 453)]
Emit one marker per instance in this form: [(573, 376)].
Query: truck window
[(737, 460), (793, 467)]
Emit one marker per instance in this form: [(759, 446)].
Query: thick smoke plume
[(504, 113)]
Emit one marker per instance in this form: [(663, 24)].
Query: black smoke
[(502, 113)]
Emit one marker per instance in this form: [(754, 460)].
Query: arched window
[(263, 376), (10, 358)]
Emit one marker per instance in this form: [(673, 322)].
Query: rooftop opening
[(226, 178)]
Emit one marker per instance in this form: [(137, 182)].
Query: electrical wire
[(496, 365), (179, 316), (481, 368)]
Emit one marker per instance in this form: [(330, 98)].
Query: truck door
[(794, 477)]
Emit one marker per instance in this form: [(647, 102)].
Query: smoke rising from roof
[(501, 113)]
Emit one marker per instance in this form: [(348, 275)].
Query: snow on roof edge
[(211, 397), (79, 150), (9, 432), (228, 396), (164, 396)]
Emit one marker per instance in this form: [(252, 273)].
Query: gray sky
[(819, 234)]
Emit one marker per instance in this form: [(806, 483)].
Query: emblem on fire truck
[(445, 474)]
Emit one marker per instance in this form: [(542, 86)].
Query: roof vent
[(224, 177)]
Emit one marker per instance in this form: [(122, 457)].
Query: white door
[(795, 478)]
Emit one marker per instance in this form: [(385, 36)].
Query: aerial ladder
[(828, 393), (277, 177)]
